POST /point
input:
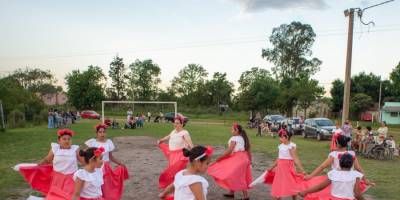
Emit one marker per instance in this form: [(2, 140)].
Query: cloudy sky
[(221, 35)]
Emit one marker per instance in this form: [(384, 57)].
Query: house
[(390, 112), (51, 99)]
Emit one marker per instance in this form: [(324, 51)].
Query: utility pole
[(380, 96), (347, 81), (2, 115)]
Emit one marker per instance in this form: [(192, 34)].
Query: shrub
[(16, 119)]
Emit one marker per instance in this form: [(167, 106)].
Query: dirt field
[(145, 162)]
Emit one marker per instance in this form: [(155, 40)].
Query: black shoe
[(229, 196)]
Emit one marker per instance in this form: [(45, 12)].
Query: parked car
[(321, 128), (170, 116), (294, 126), (89, 114), (274, 121)]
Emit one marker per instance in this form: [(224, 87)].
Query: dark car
[(170, 116), (321, 128), (89, 114), (294, 125), (274, 121)]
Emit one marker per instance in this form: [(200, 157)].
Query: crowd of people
[(60, 119), (57, 176)]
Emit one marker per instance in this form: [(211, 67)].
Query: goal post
[(137, 102)]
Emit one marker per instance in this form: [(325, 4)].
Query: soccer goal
[(131, 105)]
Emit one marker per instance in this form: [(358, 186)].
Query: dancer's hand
[(368, 182), (159, 142), (162, 195), (302, 194)]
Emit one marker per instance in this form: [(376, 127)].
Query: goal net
[(119, 109)]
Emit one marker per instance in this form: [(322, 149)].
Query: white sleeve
[(292, 146), (110, 145), (75, 147), (331, 175), (357, 174), (54, 147), (332, 154), (90, 142), (81, 175)]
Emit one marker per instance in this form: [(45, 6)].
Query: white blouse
[(176, 140), (239, 143), (92, 182), (284, 151), (336, 154), (343, 183), (182, 186), (108, 146), (65, 160)]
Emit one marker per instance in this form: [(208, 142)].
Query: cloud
[(258, 5)]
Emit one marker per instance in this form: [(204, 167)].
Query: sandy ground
[(145, 162)]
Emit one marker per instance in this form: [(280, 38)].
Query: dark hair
[(384, 122), (342, 140), (87, 154), (369, 128), (243, 133), (195, 152), (346, 161), (285, 133), (181, 120), (358, 127)]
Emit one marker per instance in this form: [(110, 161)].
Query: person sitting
[(131, 123), (358, 139), (114, 124), (368, 141), (392, 146)]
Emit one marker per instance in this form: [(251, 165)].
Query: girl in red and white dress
[(88, 181), (179, 139), (232, 170), (53, 175), (344, 183), (113, 186), (188, 183), (286, 182), (333, 162)]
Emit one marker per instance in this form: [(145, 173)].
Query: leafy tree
[(118, 76), (144, 79), (34, 80), (166, 95), (367, 84), (337, 92), (189, 80), (86, 88), (395, 80), (291, 51), (219, 89), (360, 102), (308, 91)]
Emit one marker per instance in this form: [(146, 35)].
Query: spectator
[(50, 118), (161, 116), (149, 116), (358, 138), (391, 144), (129, 114), (369, 140), (383, 130)]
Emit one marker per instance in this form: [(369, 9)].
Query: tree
[(86, 89), (395, 81), (144, 79), (291, 51), (367, 84), (34, 80), (189, 80), (257, 90), (360, 102), (337, 92), (219, 89), (308, 91), (118, 77)]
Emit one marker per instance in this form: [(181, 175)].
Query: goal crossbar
[(138, 102)]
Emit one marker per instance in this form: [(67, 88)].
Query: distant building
[(390, 112), (51, 99)]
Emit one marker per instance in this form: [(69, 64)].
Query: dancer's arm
[(316, 188), (273, 165), (163, 139), (169, 189), (197, 190), (228, 151), (78, 187), (357, 191), (188, 140), (296, 159), (113, 159), (320, 168), (48, 159)]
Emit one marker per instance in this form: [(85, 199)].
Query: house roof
[(391, 108)]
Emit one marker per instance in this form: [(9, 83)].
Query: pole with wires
[(350, 13)]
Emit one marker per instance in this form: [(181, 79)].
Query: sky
[(221, 35)]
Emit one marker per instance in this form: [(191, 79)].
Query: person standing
[(383, 130), (129, 114), (178, 139), (149, 116), (50, 118)]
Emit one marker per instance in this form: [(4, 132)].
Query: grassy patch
[(31, 144)]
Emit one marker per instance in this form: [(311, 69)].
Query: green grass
[(31, 144)]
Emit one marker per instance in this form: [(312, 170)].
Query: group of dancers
[(57, 176), (182, 179)]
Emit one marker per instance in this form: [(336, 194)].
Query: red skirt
[(325, 194), (232, 173), (38, 177), (113, 186), (83, 198), (62, 187), (176, 163), (286, 181), (333, 146)]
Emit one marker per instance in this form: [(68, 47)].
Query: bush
[(16, 119)]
